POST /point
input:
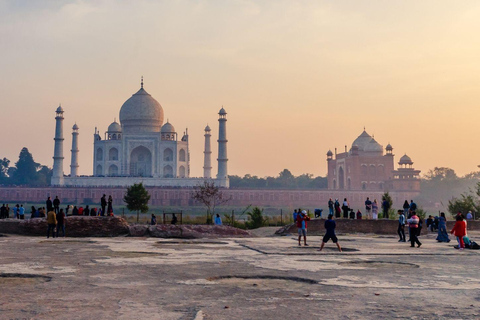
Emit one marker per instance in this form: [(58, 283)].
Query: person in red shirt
[(302, 219), (460, 230)]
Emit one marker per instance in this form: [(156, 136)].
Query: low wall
[(75, 226), (316, 226)]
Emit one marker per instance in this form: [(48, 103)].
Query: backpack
[(474, 245)]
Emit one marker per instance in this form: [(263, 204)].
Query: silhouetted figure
[(153, 221), (110, 205), (174, 219), (103, 203), (49, 205), (56, 205)]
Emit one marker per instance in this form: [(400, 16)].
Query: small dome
[(59, 109), (329, 153), (168, 128), (207, 128), (389, 147), (405, 160), (115, 127), (222, 111), (75, 127), (373, 146)]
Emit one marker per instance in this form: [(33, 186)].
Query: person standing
[(330, 226), (469, 215), (49, 204), (442, 229), (406, 207), (368, 208), (86, 211), (375, 209), (61, 223), (52, 222), (413, 225), (295, 215), (15, 211), (385, 207), (7, 211), (330, 206), (337, 208), (56, 204), (174, 219), (110, 205), (3, 212), (218, 220), (345, 208), (401, 226), (460, 231), (302, 227), (413, 206), (21, 212), (153, 220), (103, 203)]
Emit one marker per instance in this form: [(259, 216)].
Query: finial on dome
[(141, 83)]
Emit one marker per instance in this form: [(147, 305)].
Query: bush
[(256, 219)]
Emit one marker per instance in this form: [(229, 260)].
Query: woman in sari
[(442, 229)]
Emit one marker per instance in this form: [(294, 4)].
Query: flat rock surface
[(247, 278)]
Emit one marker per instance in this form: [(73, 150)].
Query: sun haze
[(296, 79)]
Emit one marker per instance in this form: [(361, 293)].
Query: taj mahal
[(141, 148)]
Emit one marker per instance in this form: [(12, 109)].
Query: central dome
[(141, 113)]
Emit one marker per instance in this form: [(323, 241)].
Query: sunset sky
[(297, 78)]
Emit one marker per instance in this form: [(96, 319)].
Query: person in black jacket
[(56, 205), (103, 203), (49, 205)]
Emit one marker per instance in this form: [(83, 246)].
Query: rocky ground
[(243, 278)]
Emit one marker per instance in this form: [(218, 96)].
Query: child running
[(330, 234)]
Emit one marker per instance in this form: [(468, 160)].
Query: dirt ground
[(254, 278)]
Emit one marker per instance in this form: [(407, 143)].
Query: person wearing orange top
[(460, 230)]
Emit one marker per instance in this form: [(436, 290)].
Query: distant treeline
[(285, 180), (26, 172)]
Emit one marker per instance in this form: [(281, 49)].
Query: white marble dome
[(141, 113), (168, 128), (114, 127)]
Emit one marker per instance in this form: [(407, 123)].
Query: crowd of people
[(371, 209), (56, 216), (407, 218)]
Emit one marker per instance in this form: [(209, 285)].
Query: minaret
[(207, 159), (57, 177), (222, 148), (74, 164)]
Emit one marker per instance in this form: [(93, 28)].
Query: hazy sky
[(297, 78)]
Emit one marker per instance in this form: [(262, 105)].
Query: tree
[(386, 196), (4, 163), (211, 196), (137, 198), (256, 218), (26, 169), (466, 202)]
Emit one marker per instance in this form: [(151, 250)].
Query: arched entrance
[(341, 178), (141, 162)]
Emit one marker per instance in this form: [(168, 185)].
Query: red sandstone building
[(366, 167)]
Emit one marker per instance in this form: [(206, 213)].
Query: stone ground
[(250, 278)]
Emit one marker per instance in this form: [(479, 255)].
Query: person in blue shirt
[(218, 220), (295, 216), (330, 234), (401, 226)]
